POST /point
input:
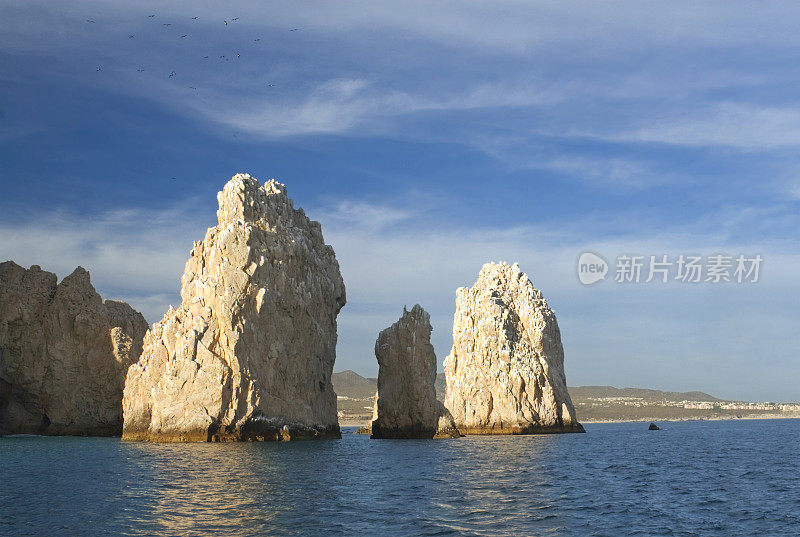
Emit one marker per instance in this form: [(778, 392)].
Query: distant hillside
[(351, 384), (597, 392)]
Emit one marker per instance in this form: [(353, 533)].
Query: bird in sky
[(194, 18), (294, 29), (150, 16), (167, 24), (259, 39), (205, 57), (270, 85), (184, 36), (192, 87), (238, 55), (140, 70), (90, 20), (226, 22), (172, 74), (99, 68), (235, 19), (130, 37)]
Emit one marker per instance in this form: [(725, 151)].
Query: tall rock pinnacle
[(248, 354), (505, 373)]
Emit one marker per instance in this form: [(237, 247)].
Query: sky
[(429, 138)]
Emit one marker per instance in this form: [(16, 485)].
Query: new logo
[(591, 268)]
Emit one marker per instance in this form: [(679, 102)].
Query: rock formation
[(63, 353), (446, 426), (505, 374), (406, 406), (367, 429), (248, 354)]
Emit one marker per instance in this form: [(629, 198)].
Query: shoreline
[(353, 423), (361, 423), (698, 418)]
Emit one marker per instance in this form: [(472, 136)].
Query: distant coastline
[(793, 416), (773, 416), (593, 404)]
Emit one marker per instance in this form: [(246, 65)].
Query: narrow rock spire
[(406, 405)]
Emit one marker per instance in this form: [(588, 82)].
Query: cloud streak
[(512, 80), (736, 125), (396, 255), (132, 254)]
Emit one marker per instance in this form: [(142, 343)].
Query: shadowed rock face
[(406, 405), (248, 354), (63, 353), (505, 373)]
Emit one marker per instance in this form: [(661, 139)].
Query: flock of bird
[(173, 73)]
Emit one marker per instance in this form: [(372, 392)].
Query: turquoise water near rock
[(723, 478)]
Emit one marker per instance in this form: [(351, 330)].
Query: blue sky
[(428, 139)]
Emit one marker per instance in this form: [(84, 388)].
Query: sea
[(701, 478)]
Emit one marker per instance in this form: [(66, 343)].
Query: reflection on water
[(722, 478), (200, 488)]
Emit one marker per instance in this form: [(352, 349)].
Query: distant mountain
[(597, 392), (351, 384)]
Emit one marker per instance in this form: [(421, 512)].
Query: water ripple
[(690, 479)]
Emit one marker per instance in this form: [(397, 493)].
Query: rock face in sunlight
[(248, 354), (406, 405), (505, 374), (367, 429), (63, 353)]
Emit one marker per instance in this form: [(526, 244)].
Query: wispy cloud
[(373, 68), (617, 172), (132, 254), (738, 125), (793, 190), (357, 106), (334, 106), (362, 215)]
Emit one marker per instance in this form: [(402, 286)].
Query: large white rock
[(505, 373), (63, 353), (248, 354), (406, 405)]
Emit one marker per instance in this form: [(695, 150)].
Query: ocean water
[(724, 478)]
